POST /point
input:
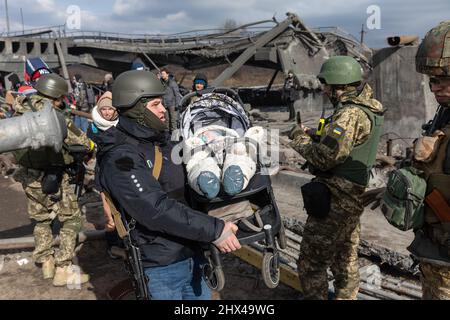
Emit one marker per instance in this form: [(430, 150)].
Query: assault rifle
[(133, 259), (77, 170)]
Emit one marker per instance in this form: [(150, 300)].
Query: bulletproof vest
[(356, 168), (438, 178)]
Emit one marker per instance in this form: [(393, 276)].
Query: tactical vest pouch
[(51, 182), (316, 199), (439, 205), (428, 251), (403, 202), (425, 148)]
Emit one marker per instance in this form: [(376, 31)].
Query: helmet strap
[(145, 117)]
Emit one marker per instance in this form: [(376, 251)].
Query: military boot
[(48, 268), (69, 276)]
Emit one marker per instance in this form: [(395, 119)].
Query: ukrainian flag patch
[(338, 131)]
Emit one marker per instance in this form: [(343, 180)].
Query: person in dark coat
[(167, 231), (171, 98), (290, 93)]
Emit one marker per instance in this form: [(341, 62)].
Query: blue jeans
[(81, 123), (179, 281)]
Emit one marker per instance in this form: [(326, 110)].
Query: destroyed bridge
[(282, 46)]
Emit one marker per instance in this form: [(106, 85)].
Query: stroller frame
[(258, 192)]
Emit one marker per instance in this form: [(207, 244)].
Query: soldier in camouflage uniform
[(6, 107), (341, 161), (4, 110), (42, 207), (431, 245)]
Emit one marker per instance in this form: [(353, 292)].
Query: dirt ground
[(21, 279)]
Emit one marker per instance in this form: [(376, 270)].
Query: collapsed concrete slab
[(404, 92)]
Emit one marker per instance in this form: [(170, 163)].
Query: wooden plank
[(253, 257)]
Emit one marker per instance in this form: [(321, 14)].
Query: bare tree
[(230, 24)]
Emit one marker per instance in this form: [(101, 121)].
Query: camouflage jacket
[(355, 124), (5, 110), (74, 135)]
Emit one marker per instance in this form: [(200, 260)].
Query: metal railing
[(192, 36)]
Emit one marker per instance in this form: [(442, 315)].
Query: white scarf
[(101, 122)]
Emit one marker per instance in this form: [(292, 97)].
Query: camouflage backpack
[(403, 201)]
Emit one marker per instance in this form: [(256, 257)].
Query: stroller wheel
[(214, 277), (271, 270), (281, 238)]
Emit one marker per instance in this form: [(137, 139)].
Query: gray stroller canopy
[(214, 109)]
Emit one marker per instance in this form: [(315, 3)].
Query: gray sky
[(157, 16)]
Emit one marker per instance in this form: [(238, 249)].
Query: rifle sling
[(120, 227), (158, 163)]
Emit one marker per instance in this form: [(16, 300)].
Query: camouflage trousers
[(44, 209), (331, 243), (435, 282)]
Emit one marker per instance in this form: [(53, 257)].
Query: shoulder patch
[(337, 132), (330, 142), (124, 164), (334, 135)]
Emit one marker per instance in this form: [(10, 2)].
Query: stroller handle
[(224, 90)]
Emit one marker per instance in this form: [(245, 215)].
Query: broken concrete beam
[(28, 242)]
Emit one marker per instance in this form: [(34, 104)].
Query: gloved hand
[(296, 131), (373, 196)]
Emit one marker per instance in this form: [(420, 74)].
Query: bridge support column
[(8, 47)]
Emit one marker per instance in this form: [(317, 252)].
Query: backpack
[(403, 201)]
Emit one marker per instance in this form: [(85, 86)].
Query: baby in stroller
[(216, 153), (223, 164)]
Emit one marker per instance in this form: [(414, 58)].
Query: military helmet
[(433, 54), (340, 70), (52, 85), (133, 85)]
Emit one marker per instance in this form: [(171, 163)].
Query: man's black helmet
[(131, 86)]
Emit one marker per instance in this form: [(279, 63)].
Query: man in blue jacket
[(167, 232)]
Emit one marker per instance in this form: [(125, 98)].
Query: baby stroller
[(254, 209)]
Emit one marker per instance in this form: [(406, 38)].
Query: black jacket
[(167, 231)]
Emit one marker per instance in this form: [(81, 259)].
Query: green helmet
[(131, 86), (433, 54), (340, 70), (52, 85)]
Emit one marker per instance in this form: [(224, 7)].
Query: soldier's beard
[(145, 117), (444, 102)]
